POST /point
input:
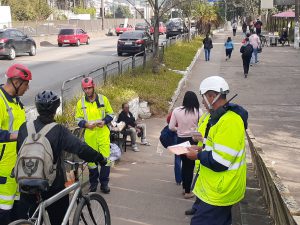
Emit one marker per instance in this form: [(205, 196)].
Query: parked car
[(13, 42), (175, 27), (142, 26), (72, 36), (122, 28), (134, 42), (162, 28)]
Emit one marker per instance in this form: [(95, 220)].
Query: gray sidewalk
[(143, 185)]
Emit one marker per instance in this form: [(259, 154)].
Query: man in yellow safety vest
[(94, 113), (222, 179), (12, 116)]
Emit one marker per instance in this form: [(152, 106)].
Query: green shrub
[(180, 55)]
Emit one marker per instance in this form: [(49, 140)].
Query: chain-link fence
[(72, 86)]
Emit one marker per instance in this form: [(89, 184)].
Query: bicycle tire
[(82, 213), (21, 222)]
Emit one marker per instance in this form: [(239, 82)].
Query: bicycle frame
[(41, 209)]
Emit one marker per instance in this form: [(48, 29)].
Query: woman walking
[(246, 50), (184, 120), (228, 48)]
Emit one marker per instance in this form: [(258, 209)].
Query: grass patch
[(156, 89), (180, 55)]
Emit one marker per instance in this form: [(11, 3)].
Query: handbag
[(259, 49)]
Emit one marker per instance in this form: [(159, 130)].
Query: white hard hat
[(214, 83)]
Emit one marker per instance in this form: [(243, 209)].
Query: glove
[(103, 162)]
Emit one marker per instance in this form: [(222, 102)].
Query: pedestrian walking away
[(222, 179), (12, 115), (94, 113), (234, 27), (246, 50), (186, 118), (60, 139), (208, 45), (228, 48)]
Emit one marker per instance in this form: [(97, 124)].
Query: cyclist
[(61, 139), (12, 115)]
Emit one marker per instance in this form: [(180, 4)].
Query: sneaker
[(105, 189), (190, 212), (135, 148), (188, 195), (145, 142), (245, 75)]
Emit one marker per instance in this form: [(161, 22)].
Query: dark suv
[(175, 27), (13, 42)]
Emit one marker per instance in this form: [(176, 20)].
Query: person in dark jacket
[(244, 28), (246, 50), (207, 44), (132, 128), (61, 139)]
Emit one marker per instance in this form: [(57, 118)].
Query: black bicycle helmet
[(47, 102)]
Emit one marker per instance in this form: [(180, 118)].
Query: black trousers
[(228, 52), (187, 170), (234, 32), (246, 64)]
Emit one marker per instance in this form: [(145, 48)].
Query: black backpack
[(247, 50)]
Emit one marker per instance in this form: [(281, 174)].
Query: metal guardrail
[(72, 86)]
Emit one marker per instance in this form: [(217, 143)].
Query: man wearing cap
[(94, 113), (12, 116), (221, 151)]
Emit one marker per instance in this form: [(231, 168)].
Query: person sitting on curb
[(132, 128)]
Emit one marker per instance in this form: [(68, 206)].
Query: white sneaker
[(145, 142), (135, 148)]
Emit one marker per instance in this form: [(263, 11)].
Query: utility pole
[(102, 13), (296, 36)]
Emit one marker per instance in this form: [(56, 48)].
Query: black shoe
[(105, 189), (93, 188), (190, 212), (246, 75)]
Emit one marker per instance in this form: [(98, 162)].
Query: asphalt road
[(52, 64)]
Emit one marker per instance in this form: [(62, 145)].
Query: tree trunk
[(156, 64)]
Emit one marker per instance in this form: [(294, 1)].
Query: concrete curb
[(183, 80), (283, 207)]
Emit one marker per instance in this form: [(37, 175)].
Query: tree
[(34, 10), (123, 12)]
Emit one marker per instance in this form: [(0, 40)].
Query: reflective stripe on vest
[(101, 101), (9, 111)]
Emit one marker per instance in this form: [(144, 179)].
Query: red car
[(72, 36), (121, 29), (162, 28)]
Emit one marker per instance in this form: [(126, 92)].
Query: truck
[(5, 18)]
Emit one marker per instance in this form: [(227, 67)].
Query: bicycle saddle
[(32, 186)]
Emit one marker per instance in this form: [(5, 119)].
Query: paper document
[(180, 148)]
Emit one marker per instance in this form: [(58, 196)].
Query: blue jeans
[(254, 56), (207, 54), (103, 176), (177, 169)]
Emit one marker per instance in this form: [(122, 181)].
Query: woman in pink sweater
[(184, 120)]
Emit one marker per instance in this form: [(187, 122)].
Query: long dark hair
[(190, 102)]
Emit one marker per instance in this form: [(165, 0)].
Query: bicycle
[(91, 209)]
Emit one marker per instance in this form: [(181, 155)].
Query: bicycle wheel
[(21, 222), (92, 212)]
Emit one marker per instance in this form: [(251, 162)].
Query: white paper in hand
[(180, 148)]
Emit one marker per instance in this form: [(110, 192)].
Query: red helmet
[(87, 82), (19, 71)]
